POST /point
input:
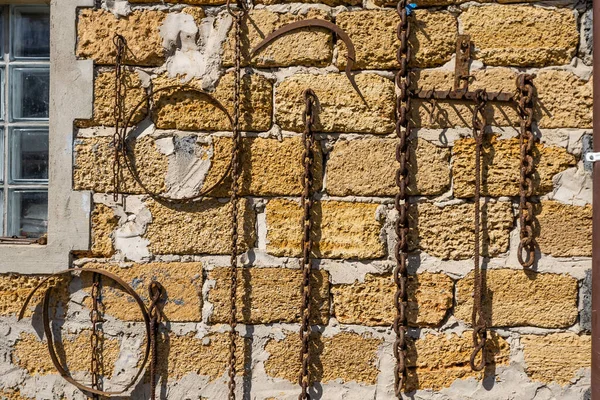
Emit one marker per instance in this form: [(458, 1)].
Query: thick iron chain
[(527, 244), (308, 158), (478, 320), (403, 103), (155, 293), (237, 15), (94, 336), (119, 110)]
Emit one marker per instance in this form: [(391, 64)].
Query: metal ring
[(127, 154), (50, 339)]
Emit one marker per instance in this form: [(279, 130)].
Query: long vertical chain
[(478, 318), (95, 337), (235, 173), (403, 103), (308, 158), (119, 110), (527, 243), (155, 292)]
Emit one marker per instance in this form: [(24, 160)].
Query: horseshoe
[(50, 339), (351, 56)]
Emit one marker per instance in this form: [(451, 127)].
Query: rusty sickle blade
[(307, 23)]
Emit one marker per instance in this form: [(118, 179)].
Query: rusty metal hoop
[(128, 155), (320, 23), (50, 339)]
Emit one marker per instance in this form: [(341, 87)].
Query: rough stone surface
[(373, 32), (522, 298), (448, 232), (104, 222), (436, 361), (340, 229), (14, 289), (586, 50), (307, 46), (191, 111), (270, 167), (332, 3), (182, 283), (104, 101), (268, 295), (363, 168), (340, 109), (452, 113), (556, 357), (564, 100), (554, 220), (198, 228), (182, 355), (31, 354), (345, 356), (521, 35), (94, 159), (96, 28), (585, 315), (501, 160), (370, 303), (186, 10)]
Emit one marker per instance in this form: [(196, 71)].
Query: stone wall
[(539, 347)]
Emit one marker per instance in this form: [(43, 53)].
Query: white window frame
[(71, 98)]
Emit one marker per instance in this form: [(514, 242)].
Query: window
[(24, 120), (37, 132)]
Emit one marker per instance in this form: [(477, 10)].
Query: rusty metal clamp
[(50, 339), (307, 23), (128, 156)]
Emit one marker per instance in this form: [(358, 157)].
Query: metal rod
[(596, 217), (462, 95)]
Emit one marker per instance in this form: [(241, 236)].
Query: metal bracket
[(592, 157), (463, 59)]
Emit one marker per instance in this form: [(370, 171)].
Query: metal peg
[(592, 157)]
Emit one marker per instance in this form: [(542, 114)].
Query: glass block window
[(24, 109)]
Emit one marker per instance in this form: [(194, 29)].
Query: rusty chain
[(308, 158), (527, 242), (403, 82), (48, 331), (155, 293), (238, 16), (119, 110), (94, 336), (478, 320)]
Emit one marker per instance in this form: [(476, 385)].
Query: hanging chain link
[(237, 15), (119, 110), (403, 82), (95, 337), (478, 318), (308, 159), (155, 292), (527, 244)]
